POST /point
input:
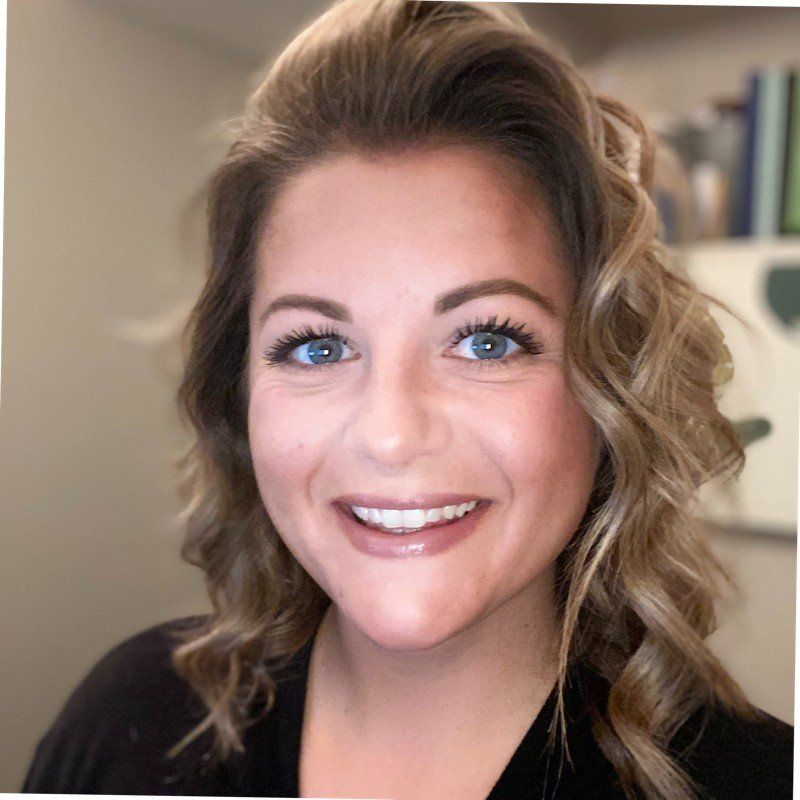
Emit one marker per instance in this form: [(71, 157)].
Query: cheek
[(544, 443), (288, 450), (285, 442)]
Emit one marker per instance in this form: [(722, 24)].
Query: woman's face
[(407, 335)]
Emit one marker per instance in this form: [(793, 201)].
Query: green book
[(770, 147), (790, 218)]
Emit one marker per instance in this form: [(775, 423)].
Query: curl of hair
[(637, 583)]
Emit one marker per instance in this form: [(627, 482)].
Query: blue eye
[(309, 349), (490, 341), (320, 351), (486, 345)]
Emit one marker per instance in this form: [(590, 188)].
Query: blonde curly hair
[(637, 583)]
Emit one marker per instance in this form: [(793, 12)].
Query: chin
[(406, 641), (405, 628)]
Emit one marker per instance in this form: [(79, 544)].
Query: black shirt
[(113, 733)]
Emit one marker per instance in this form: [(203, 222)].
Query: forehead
[(433, 218)]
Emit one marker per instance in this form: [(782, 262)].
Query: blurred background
[(116, 114)]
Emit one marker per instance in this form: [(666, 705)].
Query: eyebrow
[(443, 303), (328, 308), (470, 291)]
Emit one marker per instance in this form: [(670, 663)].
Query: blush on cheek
[(572, 431), (278, 452), (547, 415), (549, 445), (290, 439), (276, 446)]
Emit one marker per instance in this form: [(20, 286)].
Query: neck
[(503, 666)]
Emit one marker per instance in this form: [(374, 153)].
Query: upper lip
[(406, 503)]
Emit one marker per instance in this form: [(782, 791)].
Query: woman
[(451, 413)]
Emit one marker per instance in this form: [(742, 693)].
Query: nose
[(399, 416)]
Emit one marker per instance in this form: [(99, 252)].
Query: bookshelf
[(733, 167), (720, 86)]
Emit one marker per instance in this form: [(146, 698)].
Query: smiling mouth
[(413, 520)]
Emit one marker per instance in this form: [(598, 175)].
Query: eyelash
[(282, 349), (528, 343)]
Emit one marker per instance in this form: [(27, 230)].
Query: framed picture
[(760, 281)]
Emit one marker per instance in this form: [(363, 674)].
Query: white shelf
[(752, 246)]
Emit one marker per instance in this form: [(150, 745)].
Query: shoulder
[(132, 677), (113, 732), (734, 757)]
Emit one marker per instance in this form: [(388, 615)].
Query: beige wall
[(756, 637), (109, 132), (108, 135)]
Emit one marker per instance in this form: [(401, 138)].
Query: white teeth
[(412, 519), (433, 515), (391, 518)]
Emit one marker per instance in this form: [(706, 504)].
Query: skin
[(436, 651)]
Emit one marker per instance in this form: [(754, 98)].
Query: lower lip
[(425, 542)]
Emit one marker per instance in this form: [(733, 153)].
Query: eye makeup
[(529, 345), (280, 352)]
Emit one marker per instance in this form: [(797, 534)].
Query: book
[(790, 216), (769, 151), (744, 226)]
